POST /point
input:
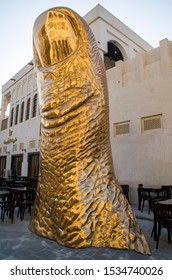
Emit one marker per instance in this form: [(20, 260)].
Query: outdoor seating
[(151, 195), (13, 201), (27, 201), (155, 220), (139, 195), (143, 195), (19, 184), (1, 180), (164, 220), (6, 182), (168, 190), (18, 193), (3, 198), (158, 195)]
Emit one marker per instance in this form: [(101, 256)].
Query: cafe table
[(167, 201)]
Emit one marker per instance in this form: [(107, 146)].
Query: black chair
[(5, 182), (164, 220), (3, 198), (1, 181), (157, 195), (155, 220), (143, 195), (151, 195), (19, 184), (168, 190), (139, 196), (12, 202), (28, 201)]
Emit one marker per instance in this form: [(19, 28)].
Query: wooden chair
[(19, 184), (3, 198), (1, 181), (158, 195), (28, 201), (164, 220), (13, 201), (155, 220), (143, 195), (139, 196), (151, 195), (168, 190)]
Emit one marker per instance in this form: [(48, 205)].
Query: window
[(121, 128), (17, 113), (12, 116), (22, 112), (151, 122), (27, 109), (112, 56), (34, 105)]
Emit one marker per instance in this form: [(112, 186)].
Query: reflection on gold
[(79, 202)]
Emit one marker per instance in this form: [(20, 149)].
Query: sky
[(150, 19)]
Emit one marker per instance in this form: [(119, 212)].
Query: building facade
[(140, 100), (139, 82)]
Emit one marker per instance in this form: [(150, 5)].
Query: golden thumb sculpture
[(79, 203)]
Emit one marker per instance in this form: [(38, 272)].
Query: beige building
[(140, 100), (139, 81)]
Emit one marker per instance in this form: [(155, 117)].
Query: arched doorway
[(113, 55)]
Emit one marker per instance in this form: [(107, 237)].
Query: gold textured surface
[(79, 202)]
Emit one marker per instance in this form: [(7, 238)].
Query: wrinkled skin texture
[(79, 202)]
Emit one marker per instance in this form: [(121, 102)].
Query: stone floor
[(18, 243)]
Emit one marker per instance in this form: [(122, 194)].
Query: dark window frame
[(28, 109), (16, 114), (12, 117), (22, 112), (34, 108)]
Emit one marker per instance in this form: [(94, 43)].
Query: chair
[(4, 182), (164, 220), (155, 220), (1, 181), (143, 195), (3, 198), (19, 184), (168, 190), (151, 195), (139, 196), (12, 202), (28, 201), (158, 195)]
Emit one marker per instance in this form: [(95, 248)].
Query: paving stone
[(18, 243)]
